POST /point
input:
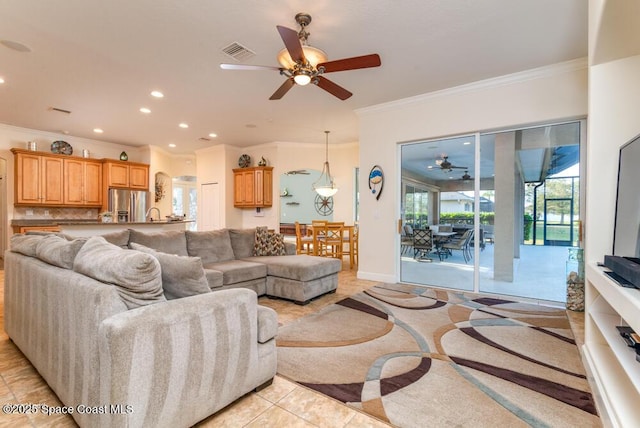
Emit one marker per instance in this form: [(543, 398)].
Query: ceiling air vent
[(204, 139), (238, 52)]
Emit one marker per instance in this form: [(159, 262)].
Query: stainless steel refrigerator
[(128, 206)]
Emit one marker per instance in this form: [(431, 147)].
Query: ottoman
[(300, 277)]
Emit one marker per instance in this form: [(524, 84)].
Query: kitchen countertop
[(75, 222)]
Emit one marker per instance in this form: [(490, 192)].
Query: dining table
[(350, 235)]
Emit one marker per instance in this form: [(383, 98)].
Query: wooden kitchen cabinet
[(126, 175), (38, 179), (253, 187), (82, 182)]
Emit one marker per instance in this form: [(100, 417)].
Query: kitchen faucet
[(149, 211)]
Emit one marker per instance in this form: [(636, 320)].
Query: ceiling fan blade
[(365, 61), (283, 89), (247, 67), (333, 89), (292, 43)]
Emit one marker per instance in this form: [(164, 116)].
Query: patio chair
[(406, 240), (422, 244), (488, 233), (461, 244)]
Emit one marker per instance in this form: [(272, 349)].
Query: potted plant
[(106, 217)]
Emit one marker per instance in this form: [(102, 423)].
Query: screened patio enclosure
[(519, 193)]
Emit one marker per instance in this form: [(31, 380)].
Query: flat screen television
[(626, 232)]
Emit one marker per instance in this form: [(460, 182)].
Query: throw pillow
[(268, 243), (59, 251), (25, 244), (136, 275), (182, 276)]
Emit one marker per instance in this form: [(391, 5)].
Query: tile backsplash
[(32, 213)]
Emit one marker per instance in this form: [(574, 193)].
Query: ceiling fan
[(303, 64), (445, 165), (466, 176)]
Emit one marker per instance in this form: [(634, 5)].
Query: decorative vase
[(123, 156)]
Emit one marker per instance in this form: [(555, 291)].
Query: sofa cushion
[(299, 267), (170, 242), (182, 276), (214, 278), (59, 251), (121, 238), (136, 275), (242, 242), (234, 271), (268, 243), (211, 246), (25, 244)]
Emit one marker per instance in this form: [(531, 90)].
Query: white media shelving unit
[(612, 363)]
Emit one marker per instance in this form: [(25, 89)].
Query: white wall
[(215, 164), (614, 108), (538, 96), (173, 166)]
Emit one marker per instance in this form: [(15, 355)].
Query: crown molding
[(494, 82)]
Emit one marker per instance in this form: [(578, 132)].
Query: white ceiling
[(101, 59)]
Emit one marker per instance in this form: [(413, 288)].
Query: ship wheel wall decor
[(324, 205)]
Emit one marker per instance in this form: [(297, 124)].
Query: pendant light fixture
[(325, 186)]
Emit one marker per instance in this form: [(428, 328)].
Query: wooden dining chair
[(333, 241), (351, 241), (304, 243), (317, 233)]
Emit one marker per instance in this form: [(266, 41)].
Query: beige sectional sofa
[(229, 262), (119, 348)]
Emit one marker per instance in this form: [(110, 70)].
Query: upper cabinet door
[(73, 181), (139, 177), (93, 183), (27, 179), (117, 174), (52, 181)]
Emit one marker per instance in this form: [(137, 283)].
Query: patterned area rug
[(415, 357)]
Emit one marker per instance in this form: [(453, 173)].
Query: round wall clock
[(323, 205), (61, 148), (244, 161)]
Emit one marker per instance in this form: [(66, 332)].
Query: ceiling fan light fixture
[(302, 78), (325, 186), (313, 55)]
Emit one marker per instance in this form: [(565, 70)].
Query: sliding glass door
[(501, 209), (438, 212)]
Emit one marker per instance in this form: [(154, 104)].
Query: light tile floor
[(284, 403)]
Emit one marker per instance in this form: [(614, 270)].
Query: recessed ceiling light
[(430, 167), (466, 143), (213, 135), (98, 130), (172, 145), (183, 125), (1, 80), (145, 110), (157, 94)]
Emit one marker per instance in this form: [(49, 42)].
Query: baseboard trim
[(372, 276)]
